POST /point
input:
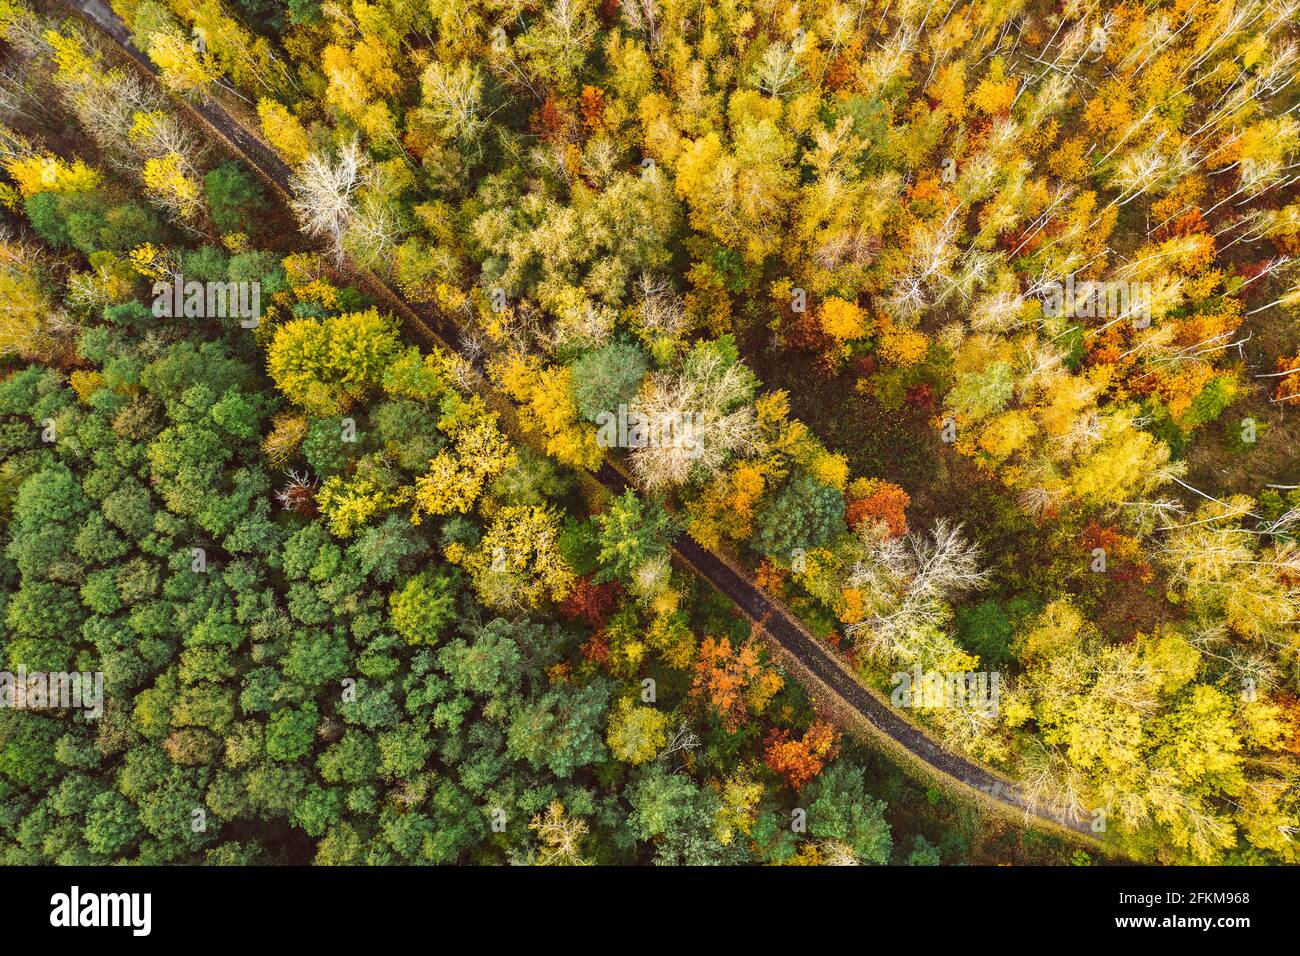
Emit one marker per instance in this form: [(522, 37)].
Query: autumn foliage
[(799, 760), (733, 680)]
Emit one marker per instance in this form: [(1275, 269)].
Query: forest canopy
[(964, 334)]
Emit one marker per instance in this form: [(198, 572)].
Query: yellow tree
[(284, 131), (636, 733), (186, 66), (517, 565), (550, 408), (326, 364), (458, 475), (28, 323)]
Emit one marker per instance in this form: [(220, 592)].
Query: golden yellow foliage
[(550, 408), (902, 346), (841, 320), (283, 131), (49, 173)]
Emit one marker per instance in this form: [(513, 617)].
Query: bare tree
[(453, 99), (911, 578), (373, 233), (661, 309), (692, 419), (323, 194), (642, 16), (777, 72)]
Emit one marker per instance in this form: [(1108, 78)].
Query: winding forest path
[(834, 688)]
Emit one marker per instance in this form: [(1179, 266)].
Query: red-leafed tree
[(798, 761)]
